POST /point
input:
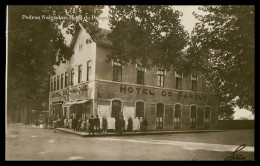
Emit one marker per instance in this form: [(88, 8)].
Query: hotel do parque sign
[(151, 92)]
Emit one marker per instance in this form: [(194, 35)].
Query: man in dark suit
[(97, 124), (91, 126), (74, 124), (145, 123)]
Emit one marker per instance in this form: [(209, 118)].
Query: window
[(88, 69), (185, 74), (178, 83), (159, 116), (193, 117), (61, 81), (79, 73), (207, 117), (58, 82), (140, 74), (194, 82), (54, 84), (178, 73), (66, 79), (140, 77), (51, 85), (178, 77), (117, 71), (177, 117), (72, 76), (207, 87), (160, 78)]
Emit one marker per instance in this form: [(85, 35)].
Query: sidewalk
[(86, 134)]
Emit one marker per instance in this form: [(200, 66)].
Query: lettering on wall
[(56, 94), (65, 92), (192, 96), (79, 89), (59, 93), (149, 91), (146, 91)]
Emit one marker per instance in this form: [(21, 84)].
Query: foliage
[(151, 34), (33, 45), (222, 47)]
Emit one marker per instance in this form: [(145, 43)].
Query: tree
[(151, 34), (34, 41), (222, 47)]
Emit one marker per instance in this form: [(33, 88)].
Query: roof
[(100, 37)]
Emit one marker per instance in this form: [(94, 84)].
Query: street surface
[(25, 142)]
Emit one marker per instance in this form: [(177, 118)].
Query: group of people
[(94, 124), (120, 125), (77, 125), (80, 125)]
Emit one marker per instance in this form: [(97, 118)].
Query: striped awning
[(68, 104)]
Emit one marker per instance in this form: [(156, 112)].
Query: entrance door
[(57, 111), (159, 116), (193, 117), (79, 111), (207, 117), (140, 112), (116, 108), (177, 117)]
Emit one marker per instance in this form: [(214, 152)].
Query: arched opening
[(159, 116), (116, 108), (140, 112), (193, 117), (177, 117), (207, 117)]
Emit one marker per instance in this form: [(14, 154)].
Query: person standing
[(51, 121), (104, 125), (121, 125), (70, 124), (91, 125), (145, 123), (79, 124), (97, 124), (54, 124), (62, 122), (74, 124), (46, 121), (58, 123), (65, 123), (130, 124)]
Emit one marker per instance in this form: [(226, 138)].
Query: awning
[(68, 104)]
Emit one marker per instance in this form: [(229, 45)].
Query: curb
[(141, 133)]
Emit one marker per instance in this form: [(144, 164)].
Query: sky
[(188, 21)]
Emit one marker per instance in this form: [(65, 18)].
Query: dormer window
[(117, 71), (160, 77), (194, 80), (140, 74), (178, 73), (178, 77)]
